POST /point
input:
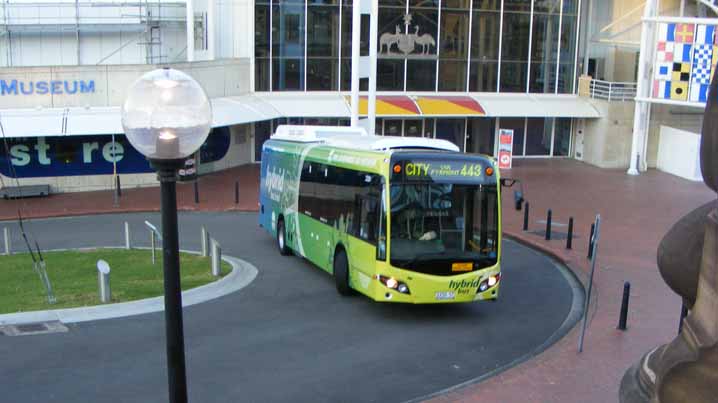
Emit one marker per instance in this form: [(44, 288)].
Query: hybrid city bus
[(397, 219)]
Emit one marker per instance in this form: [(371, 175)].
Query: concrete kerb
[(242, 274)]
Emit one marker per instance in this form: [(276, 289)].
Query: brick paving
[(636, 213)]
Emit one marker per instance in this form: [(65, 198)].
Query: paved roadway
[(288, 336)]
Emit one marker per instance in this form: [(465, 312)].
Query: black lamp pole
[(176, 374)]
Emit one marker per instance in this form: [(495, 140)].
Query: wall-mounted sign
[(37, 157), (54, 87), (506, 148)]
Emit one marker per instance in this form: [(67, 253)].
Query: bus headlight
[(489, 282), (394, 284)]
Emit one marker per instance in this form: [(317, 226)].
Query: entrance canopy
[(259, 107)]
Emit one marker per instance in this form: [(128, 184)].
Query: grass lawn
[(73, 275)]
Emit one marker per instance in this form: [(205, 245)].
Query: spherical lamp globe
[(166, 115)]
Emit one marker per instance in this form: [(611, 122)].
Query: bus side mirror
[(518, 194)]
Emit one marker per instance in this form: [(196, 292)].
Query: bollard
[(118, 185), (127, 235), (526, 217), (204, 241), (569, 237), (590, 241), (236, 192), (196, 192), (103, 281), (624, 306), (216, 258), (6, 231), (548, 225), (153, 243)]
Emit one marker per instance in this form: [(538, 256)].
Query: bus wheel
[(282, 239), (341, 273)]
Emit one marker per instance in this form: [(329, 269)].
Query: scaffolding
[(145, 20)]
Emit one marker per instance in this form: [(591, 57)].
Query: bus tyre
[(341, 273), (282, 239)]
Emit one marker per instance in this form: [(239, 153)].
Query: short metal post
[(216, 258), (569, 238), (127, 235), (684, 313), (196, 192), (153, 243), (624, 306), (587, 301), (236, 192), (6, 232), (548, 225), (590, 241), (204, 241), (526, 217), (103, 281), (119, 186)]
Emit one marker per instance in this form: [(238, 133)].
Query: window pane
[(516, 37), (391, 29), (288, 74), (562, 137), (544, 53), (261, 31), (538, 138), (322, 74), (288, 30), (568, 55), (454, 35), (392, 127), (451, 130), (261, 74), (323, 30), (423, 30), (517, 125), (485, 36), (483, 76), (487, 5), (513, 76), (390, 75), (421, 75), (514, 53), (412, 128), (547, 6), (452, 75), (481, 136), (517, 5)]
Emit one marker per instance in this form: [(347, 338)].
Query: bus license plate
[(444, 295)]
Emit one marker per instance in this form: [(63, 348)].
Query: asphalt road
[(288, 336)]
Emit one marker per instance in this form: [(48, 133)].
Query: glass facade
[(423, 45)]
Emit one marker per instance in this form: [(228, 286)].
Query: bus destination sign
[(441, 171)]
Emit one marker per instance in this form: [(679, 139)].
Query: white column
[(211, 44), (373, 34), (642, 90), (190, 30), (356, 36)]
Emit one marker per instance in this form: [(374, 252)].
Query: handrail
[(608, 90)]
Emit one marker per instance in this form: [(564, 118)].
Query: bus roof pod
[(356, 138)]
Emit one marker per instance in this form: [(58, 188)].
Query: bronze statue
[(686, 369)]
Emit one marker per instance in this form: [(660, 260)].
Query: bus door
[(362, 245)]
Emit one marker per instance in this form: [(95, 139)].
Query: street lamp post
[(166, 117)]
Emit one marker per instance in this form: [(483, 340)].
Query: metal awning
[(307, 105), (522, 105)]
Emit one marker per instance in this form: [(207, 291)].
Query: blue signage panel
[(35, 157)]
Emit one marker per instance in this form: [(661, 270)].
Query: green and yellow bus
[(397, 219)]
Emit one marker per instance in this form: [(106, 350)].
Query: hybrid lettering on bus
[(396, 219)]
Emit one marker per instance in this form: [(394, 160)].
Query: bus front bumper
[(410, 287)]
